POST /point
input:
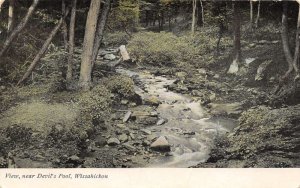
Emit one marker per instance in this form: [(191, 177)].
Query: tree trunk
[(237, 53), (251, 14), (1, 3), (297, 47), (43, 50), (258, 14), (147, 18), (194, 16), (11, 16), (100, 30), (285, 40), (71, 42), (199, 14), (169, 21), (202, 11), (64, 26), (19, 28), (88, 45)]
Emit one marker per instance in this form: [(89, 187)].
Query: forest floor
[(190, 116)]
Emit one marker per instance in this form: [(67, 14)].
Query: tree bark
[(19, 28), (258, 14), (202, 11), (71, 42), (64, 26), (88, 45), (251, 14), (42, 51), (194, 16), (285, 40), (100, 30), (11, 16), (237, 53), (297, 47)]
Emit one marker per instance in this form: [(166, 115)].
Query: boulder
[(110, 57), (146, 131), (113, 142), (123, 138), (161, 144), (161, 121), (260, 74), (127, 116), (152, 100), (146, 120)]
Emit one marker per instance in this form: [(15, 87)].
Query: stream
[(188, 130)]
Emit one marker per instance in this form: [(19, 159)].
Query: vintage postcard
[(149, 93)]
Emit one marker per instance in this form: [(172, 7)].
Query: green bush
[(120, 84), (167, 49), (115, 38), (95, 104)]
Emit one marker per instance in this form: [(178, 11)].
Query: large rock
[(267, 137), (127, 116), (226, 109), (146, 120), (113, 142), (110, 57), (123, 138), (161, 121), (161, 144), (152, 100), (261, 70)]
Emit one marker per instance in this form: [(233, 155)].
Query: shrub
[(116, 38), (122, 85), (167, 49), (95, 104)]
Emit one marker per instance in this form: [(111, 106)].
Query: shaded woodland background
[(61, 96)]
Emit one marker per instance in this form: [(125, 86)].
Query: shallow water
[(189, 132)]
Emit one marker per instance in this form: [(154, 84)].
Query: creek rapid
[(188, 129)]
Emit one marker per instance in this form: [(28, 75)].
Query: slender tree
[(88, 45), (258, 14), (237, 53), (251, 14), (71, 42), (100, 29), (64, 26), (194, 16), (285, 40), (202, 11), (11, 15), (19, 28), (42, 50)]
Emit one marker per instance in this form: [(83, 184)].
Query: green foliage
[(95, 104), (116, 38), (125, 15), (121, 85), (167, 49)]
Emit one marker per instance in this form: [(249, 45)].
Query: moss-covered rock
[(265, 137), (120, 84)]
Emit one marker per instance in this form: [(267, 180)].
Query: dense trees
[(128, 15), (19, 28)]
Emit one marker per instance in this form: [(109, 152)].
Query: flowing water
[(190, 134)]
